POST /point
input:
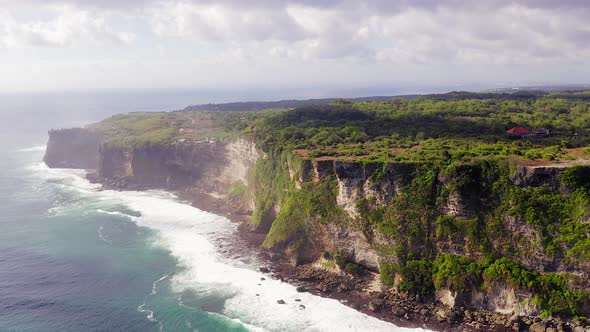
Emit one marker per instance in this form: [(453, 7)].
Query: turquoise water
[(76, 258)]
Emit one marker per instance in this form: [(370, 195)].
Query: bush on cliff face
[(409, 215), (237, 190), (556, 296), (558, 216), (414, 220), (417, 278), (456, 273), (577, 177), (449, 228), (314, 202), (511, 272), (270, 185)]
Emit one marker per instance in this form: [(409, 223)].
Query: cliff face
[(171, 166), (73, 148), (384, 217), (209, 166), (394, 213)]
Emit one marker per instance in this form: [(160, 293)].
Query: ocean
[(76, 258)]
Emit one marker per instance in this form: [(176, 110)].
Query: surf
[(195, 237)]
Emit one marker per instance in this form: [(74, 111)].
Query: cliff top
[(444, 128)]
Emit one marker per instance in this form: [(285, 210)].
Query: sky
[(63, 45)]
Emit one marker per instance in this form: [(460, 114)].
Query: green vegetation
[(315, 201), (147, 128), (329, 264), (273, 188), (442, 148), (271, 185), (414, 219), (456, 273), (440, 151), (237, 191), (436, 128), (552, 291), (424, 129)]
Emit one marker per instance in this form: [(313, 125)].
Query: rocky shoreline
[(356, 292)]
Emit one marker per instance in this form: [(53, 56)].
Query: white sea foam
[(155, 284), (190, 234), (102, 236), (39, 148), (116, 213), (71, 178)]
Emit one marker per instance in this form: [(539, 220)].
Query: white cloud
[(65, 26), (411, 40), (216, 23)]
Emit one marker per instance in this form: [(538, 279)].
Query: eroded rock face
[(505, 299), (446, 297), (241, 156), (525, 176), (168, 166), (499, 298), (73, 148), (455, 206), (349, 241), (529, 242), (211, 166), (350, 175)]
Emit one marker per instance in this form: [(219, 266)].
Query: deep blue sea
[(76, 258)]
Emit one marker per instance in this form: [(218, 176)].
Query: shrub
[(417, 278), (456, 272), (387, 274), (329, 264), (354, 269)]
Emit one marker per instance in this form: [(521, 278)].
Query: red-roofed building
[(517, 132)]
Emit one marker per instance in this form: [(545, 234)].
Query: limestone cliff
[(382, 216), (208, 166), (73, 148)]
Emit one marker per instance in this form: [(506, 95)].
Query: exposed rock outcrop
[(73, 148), (527, 176), (209, 166)]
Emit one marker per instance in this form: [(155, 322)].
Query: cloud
[(216, 22), (417, 31), (410, 38), (64, 26)]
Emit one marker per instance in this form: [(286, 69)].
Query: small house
[(517, 132), (540, 131)]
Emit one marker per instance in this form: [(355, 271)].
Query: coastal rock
[(376, 305), (73, 148), (538, 327), (526, 176), (442, 315), (399, 311)]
